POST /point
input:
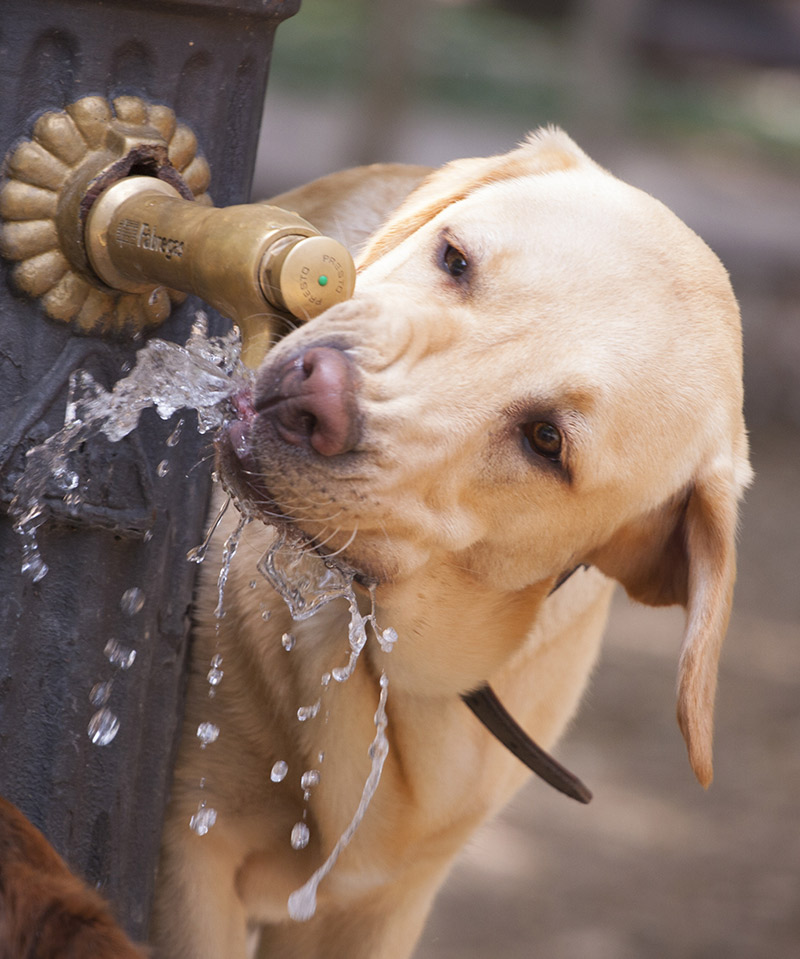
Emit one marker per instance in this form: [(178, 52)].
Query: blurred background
[(697, 102)]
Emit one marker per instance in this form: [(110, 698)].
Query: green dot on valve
[(323, 280)]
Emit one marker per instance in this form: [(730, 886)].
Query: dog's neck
[(501, 622), (436, 654)]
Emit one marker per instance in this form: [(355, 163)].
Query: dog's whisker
[(347, 545)]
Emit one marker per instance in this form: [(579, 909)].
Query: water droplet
[(175, 435), (32, 564), (265, 615), (308, 712), (163, 468), (321, 757), (340, 673), (252, 584), (279, 771), (326, 678), (66, 479), (100, 693), (387, 638), (216, 672), (207, 733), (119, 654), (103, 727), (287, 641), (300, 835), (132, 601), (309, 779), (203, 819)]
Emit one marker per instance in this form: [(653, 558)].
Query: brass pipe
[(246, 261)]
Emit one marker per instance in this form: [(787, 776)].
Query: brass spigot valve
[(247, 261), (109, 250)]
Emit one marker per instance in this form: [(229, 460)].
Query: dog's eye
[(543, 438), (454, 261)]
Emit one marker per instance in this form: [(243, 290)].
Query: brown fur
[(587, 303), (45, 911)]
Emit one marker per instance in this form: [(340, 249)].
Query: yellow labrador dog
[(539, 373)]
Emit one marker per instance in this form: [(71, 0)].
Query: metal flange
[(51, 182)]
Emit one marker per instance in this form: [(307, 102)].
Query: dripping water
[(202, 375), (208, 732), (306, 582), (303, 902)]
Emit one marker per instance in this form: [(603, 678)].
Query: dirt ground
[(654, 867)]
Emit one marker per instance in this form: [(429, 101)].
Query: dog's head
[(541, 367)]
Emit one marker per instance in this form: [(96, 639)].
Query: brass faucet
[(109, 222), (246, 261)]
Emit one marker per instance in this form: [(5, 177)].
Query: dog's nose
[(315, 402)]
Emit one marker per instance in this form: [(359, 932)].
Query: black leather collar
[(496, 718)]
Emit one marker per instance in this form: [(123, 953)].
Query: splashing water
[(303, 902), (201, 375), (306, 582)]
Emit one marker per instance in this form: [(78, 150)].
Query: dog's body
[(541, 368), (46, 912)]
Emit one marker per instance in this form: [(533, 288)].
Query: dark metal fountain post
[(101, 805)]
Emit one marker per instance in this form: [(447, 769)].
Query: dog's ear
[(544, 151), (685, 552)]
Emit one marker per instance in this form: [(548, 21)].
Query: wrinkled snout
[(311, 401)]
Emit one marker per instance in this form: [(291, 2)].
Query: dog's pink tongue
[(242, 404), (239, 437)]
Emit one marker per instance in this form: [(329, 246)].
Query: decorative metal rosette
[(50, 181)]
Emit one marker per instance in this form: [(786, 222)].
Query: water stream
[(201, 375)]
